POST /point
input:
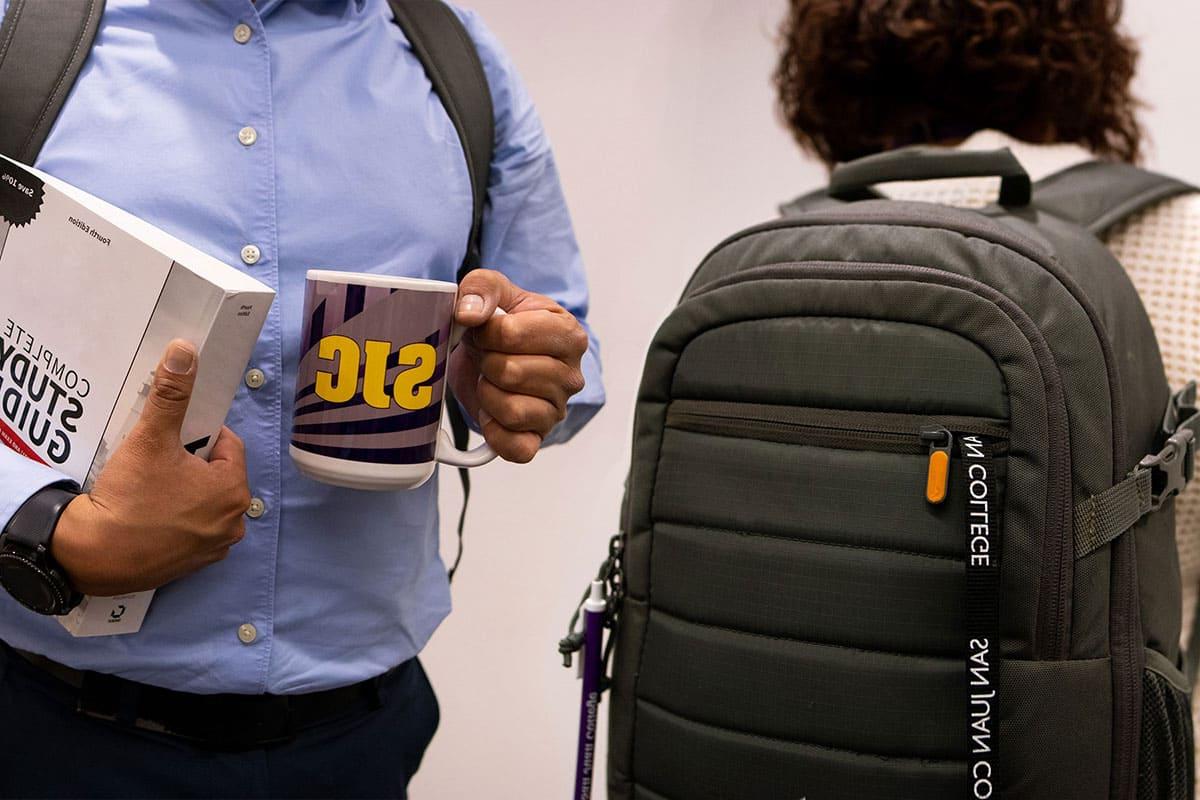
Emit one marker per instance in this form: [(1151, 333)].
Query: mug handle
[(447, 453)]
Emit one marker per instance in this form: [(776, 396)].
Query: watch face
[(29, 585)]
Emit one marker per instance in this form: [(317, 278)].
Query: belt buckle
[(81, 708), (92, 701)]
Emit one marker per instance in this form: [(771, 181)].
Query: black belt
[(213, 721)]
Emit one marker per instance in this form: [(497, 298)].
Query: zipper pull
[(937, 481)]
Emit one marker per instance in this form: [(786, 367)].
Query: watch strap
[(34, 523)]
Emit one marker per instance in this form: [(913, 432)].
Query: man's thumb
[(174, 378), (481, 292)]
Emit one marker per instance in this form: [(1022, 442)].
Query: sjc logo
[(341, 384)]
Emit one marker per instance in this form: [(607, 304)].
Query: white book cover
[(89, 298)]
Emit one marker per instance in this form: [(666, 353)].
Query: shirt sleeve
[(20, 479), (527, 232)]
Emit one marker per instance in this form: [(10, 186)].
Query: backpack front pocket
[(808, 606)]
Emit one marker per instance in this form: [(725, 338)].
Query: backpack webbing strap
[(42, 48), (1156, 479), (1097, 195), (1102, 518), (445, 50)]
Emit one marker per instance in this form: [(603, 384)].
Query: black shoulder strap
[(452, 63), (1099, 194), (43, 44)]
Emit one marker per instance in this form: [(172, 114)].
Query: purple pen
[(589, 704)]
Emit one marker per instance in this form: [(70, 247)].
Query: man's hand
[(515, 372), (156, 512)]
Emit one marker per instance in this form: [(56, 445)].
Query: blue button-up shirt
[(356, 166)]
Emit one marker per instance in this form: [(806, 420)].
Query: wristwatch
[(27, 572)]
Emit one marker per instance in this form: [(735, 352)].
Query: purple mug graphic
[(372, 381)]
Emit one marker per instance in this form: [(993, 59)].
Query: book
[(90, 296)]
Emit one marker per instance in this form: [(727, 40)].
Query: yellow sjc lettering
[(422, 358), (345, 350), (340, 385), (375, 377)]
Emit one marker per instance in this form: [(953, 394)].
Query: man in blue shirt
[(283, 135)]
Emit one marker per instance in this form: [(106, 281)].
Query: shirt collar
[(1039, 160)]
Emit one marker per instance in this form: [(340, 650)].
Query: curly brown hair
[(859, 76)]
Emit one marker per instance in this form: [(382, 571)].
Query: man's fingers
[(229, 447), (481, 292), (167, 404), (464, 379), (517, 446), (527, 359), (541, 332), (540, 376), (229, 453), (518, 412)]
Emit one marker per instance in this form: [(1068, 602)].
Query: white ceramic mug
[(372, 381)]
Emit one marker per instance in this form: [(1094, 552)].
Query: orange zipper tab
[(937, 480)]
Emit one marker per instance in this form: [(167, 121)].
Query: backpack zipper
[(937, 477), (880, 432)]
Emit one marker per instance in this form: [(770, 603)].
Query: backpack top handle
[(853, 180)]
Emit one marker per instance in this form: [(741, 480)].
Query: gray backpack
[(900, 520)]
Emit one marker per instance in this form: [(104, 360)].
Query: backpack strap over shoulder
[(43, 44), (1097, 195), (445, 49), (452, 63)]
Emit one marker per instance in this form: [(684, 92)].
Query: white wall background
[(662, 117)]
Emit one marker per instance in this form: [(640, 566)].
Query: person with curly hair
[(1050, 80), (860, 76)]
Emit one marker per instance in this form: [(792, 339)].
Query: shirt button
[(251, 254), (257, 508), (255, 378), (247, 136), (247, 633), (242, 33)]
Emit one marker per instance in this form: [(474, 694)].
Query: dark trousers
[(47, 749)]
